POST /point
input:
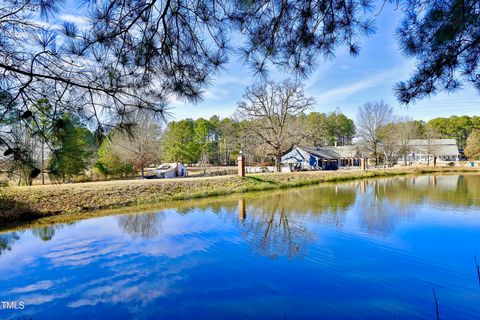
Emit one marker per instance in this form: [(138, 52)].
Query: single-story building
[(424, 150), (320, 158), (171, 170)]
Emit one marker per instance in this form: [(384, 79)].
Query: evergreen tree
[(73, 149), (180, 143)]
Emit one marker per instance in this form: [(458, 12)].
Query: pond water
[(375, 249)]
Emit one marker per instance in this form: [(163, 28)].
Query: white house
[(171, 170), (425, 150)]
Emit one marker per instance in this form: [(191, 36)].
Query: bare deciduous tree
[(127, 56), (406, 130), (396, 139), (431, 136), (391, 143), (271, 107), (472, 151), (140, 145), (132, 55), (373, 117)]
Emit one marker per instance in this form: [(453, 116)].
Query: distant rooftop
[(340, 152), (432, 142), (435, 146)]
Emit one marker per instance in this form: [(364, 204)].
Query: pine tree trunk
[(43, 164)]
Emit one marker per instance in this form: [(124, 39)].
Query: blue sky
[(344, 83)]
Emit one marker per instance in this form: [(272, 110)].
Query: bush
[(3, 183)]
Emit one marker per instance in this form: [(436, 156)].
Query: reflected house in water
[(386, 202), (442, 182), (321, 158)]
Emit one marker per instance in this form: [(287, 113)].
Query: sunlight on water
[(367, 249)]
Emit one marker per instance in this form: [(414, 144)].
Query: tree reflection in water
[(274, 224), (141, 225), (45, 233), (7, 240), (384, 205), (270, 232), (277, 223)]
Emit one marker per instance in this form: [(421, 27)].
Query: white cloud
[(41, 285), (216, 94), (342, 92), (74, 19), (45, 25)]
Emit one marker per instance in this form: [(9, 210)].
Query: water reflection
[(45, 233), (270, 231), (273, 222), (143, 225), (384, 205), (315, 252), (7, 240)]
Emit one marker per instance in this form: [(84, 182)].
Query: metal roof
[(332, 153), (439, 147), (348, 151), (432, 142)]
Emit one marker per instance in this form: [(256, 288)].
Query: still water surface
[(374, 249)]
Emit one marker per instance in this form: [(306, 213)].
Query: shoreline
[(26, 204)]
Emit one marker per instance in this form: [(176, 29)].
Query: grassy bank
[(29, 203)]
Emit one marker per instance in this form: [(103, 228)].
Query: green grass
[(71, 201)]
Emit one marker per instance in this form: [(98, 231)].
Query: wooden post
[(362, 163), (363, 186), (241, 164), (242, 212)]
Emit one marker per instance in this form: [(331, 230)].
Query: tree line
[(269, 120), (127, 57), (385, 137), (66, 149)]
